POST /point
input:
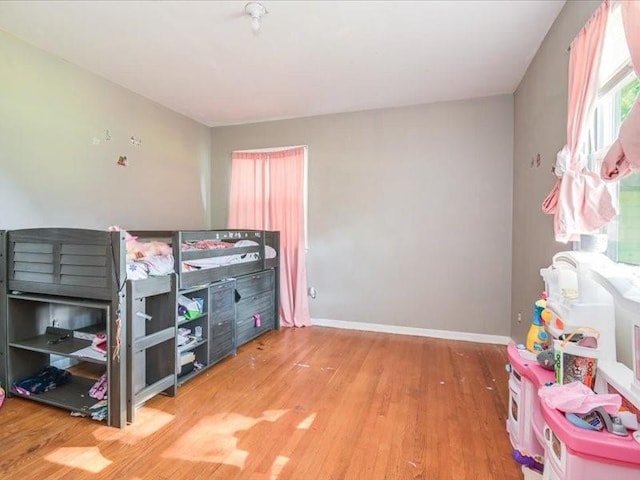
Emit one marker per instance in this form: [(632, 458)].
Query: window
[(618, 89), (253, 188)]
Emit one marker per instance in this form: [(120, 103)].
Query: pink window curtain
[(267, 193), (623, 158), (579, 200), (248, 191)]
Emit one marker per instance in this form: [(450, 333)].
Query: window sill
[(622, 281)]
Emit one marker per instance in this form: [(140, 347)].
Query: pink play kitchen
[(574, 388)]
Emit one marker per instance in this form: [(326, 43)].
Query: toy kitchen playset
[(564, 430)]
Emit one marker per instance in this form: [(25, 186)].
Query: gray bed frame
[(78, 267)]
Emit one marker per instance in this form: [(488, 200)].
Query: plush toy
[(546, 360), (138, 250)]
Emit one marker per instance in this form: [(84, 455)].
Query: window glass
[(618, 89), (615, 51)]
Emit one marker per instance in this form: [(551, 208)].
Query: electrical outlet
[(519, 317)]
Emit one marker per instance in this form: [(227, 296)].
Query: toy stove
[(584, 289), (589, 290)]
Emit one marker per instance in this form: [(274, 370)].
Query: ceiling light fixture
[(256, 11)]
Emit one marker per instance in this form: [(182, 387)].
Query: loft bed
[(52, 273), (202, 257), (60, 280)]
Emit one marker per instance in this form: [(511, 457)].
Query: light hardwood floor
[(302, 404)]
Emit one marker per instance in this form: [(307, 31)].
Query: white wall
[(410, 208), (409, 211), (52, 174)]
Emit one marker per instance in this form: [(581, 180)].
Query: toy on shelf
[(538, 338)]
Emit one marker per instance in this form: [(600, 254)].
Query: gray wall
[(540, 128), (52, 173), (409, 211)]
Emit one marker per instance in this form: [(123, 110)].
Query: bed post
[(117, 328), (3, 312)]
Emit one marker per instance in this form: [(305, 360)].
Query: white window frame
[(606, 125)]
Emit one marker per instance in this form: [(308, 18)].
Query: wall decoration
[(536, 161), (122, 161)]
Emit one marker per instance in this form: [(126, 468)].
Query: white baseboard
[(416, 332)]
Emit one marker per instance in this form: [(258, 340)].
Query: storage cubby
[(41, 333), (195, 343)]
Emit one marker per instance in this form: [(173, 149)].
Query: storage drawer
[(228, 315), (221, 349), (255, 284), (222, 330), (221, 296), (249, 324), (255, 304), (249, 335), (246, 328)]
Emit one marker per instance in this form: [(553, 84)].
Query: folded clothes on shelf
[(46, 379)]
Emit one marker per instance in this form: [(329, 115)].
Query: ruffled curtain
[(580, 200), (267, 193), (623, 158)]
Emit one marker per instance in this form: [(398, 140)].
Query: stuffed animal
[(546, 360)]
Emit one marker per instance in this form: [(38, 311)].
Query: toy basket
[(576, 363)]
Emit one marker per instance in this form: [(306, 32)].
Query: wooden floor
[(303, 404)]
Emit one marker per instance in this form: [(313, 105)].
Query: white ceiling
[(310, 58)]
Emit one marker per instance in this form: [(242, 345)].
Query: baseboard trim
[(416, 332)]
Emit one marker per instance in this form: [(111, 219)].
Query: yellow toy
[(538, 338)]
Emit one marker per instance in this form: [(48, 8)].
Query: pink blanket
[(576, 397)]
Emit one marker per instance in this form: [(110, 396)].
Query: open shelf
[(66, 347), (192, 345), (183, 320), (73, 395)]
